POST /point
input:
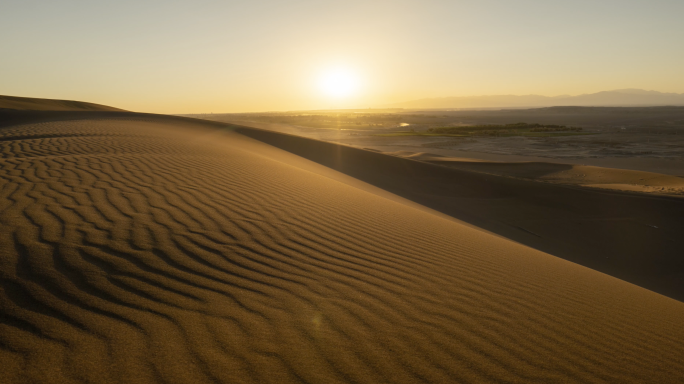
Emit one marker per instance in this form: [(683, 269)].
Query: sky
[(215, 56)]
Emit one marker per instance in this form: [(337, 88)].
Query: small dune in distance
[(146, 248), (35, 104)]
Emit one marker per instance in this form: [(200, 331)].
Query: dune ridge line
[(161, 250)]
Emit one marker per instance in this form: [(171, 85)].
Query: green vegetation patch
[(409, 133)]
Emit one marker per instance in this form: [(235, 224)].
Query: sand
[(144, 249), (568, 174), (644, 139), (634, 237), (36, 104)]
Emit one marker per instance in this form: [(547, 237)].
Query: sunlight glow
[(339, 83)]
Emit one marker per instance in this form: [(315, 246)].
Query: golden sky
[(260, 55)]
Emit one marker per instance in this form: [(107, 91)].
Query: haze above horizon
[(214, 56)]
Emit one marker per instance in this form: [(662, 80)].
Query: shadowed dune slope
[(570, 174), (34, 104), (633, 237), (151, 250)]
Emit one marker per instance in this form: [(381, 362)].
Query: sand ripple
[(142, 251)]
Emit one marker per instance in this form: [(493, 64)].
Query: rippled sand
[(143, 249)]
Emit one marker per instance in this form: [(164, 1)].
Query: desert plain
[(141, 248)]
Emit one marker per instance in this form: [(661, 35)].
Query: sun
[(338, 82)]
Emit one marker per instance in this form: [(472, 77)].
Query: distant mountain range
[(620, 97)]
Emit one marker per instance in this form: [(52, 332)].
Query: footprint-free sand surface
[(149, 249), (633, 236), (569, 174), (35, 104)]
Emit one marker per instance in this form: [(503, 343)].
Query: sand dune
[(143, 249), (633, 237), (569, 174), (34, 104)]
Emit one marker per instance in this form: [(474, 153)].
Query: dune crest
[(164, 250), (36, 104)]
